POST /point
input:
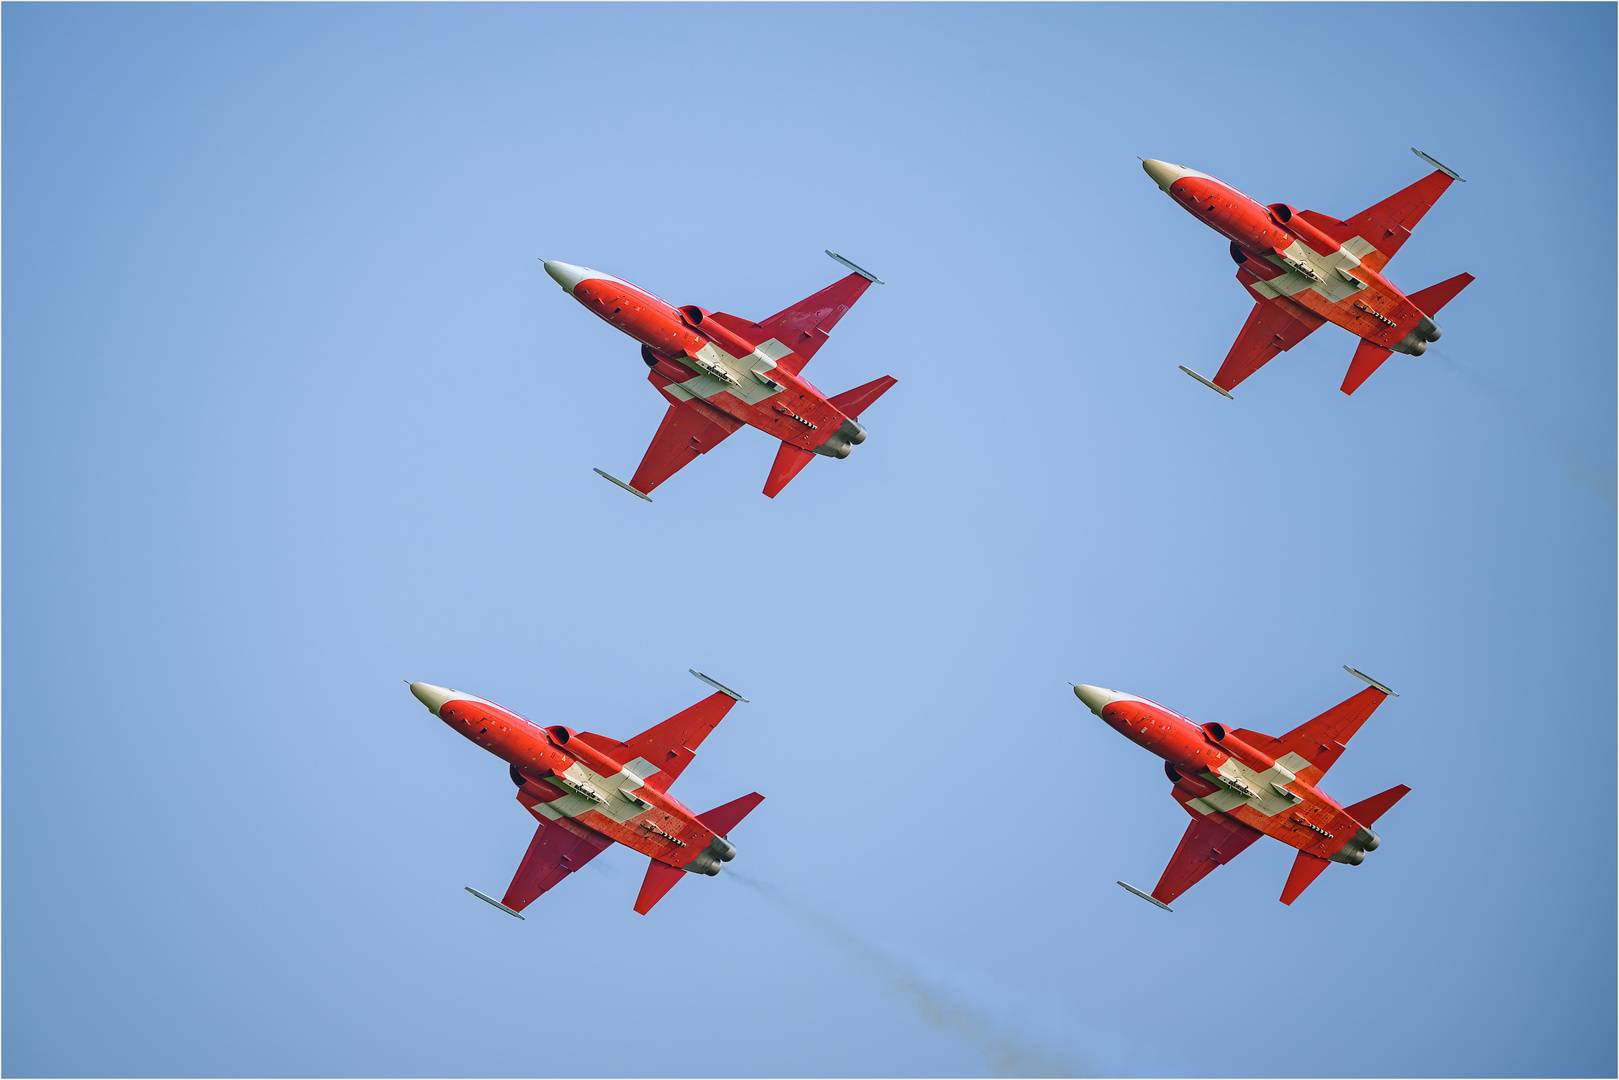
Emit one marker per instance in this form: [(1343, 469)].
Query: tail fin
[(722, 819), (854, 402), (1369, 810), (660, 878), (1434, 297), (790, 461), (1368, 358), (1306, 868)]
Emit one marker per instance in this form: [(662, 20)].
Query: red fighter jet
[(1305, 269), (1240, 785), (588, 791), (720, 372)]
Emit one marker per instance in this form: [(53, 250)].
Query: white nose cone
[(1164, 173), (430, 695), (1095, 697), (568, 275)]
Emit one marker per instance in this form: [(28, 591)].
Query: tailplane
[(1306, 868), (1369, 356), (790, 461), (854, 402), (661, 877), (1369, 810), (1434, 297)]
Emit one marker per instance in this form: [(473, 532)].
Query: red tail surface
[(1434, 297), (660, 878), (1369, 810), (790, 461), (854, 402), (722, 819), (1306, 868), (1368, 358)]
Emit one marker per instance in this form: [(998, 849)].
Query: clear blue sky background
[(292, 414)]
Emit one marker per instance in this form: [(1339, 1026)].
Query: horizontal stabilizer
[(660, 878), (1306, 868), (854, 402), (722, 819), (1434, 297), (1369, 810), (790, 461), (1369, 356)]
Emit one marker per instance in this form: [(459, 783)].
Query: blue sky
[(292, 414)]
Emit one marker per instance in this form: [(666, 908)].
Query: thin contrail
[(1005, 1054), (1584, 469)]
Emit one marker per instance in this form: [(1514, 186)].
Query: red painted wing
[(688, 429), (1321, 741), (804, 326), (672, 744), (1268, 331), (557, 850), (1211, 840), (1387, 225)]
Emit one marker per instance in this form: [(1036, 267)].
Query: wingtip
[(622, 484), (1218, 390)]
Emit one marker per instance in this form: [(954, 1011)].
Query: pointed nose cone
[(1095, 698), (568, 275), (430, 695), (1162, 172)]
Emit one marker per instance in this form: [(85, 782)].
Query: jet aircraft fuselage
[(719, 372)]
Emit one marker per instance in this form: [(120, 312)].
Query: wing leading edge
[(558, 849), (688, 429), (1210, 840), (1268, 331)]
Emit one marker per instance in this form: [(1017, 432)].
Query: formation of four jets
[(719, 372)]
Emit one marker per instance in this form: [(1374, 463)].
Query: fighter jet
[(1239, 785), (1305, 269), (720, 371), (589, 791)]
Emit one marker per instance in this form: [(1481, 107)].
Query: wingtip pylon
[(1148, 897), (622, 484), (867, 274), (1365, 678), (1218, 390), (721, 687), (1448, 172), (491, 900)]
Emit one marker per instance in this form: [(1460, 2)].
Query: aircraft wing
[(1321, 741), (1268, 331), (558, 849), (672, 744), (1211, 840), (1387, 225), (804, 326), (689, 428)]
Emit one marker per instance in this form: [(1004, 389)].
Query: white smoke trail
[(1005, 1053), (1577, 462)]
